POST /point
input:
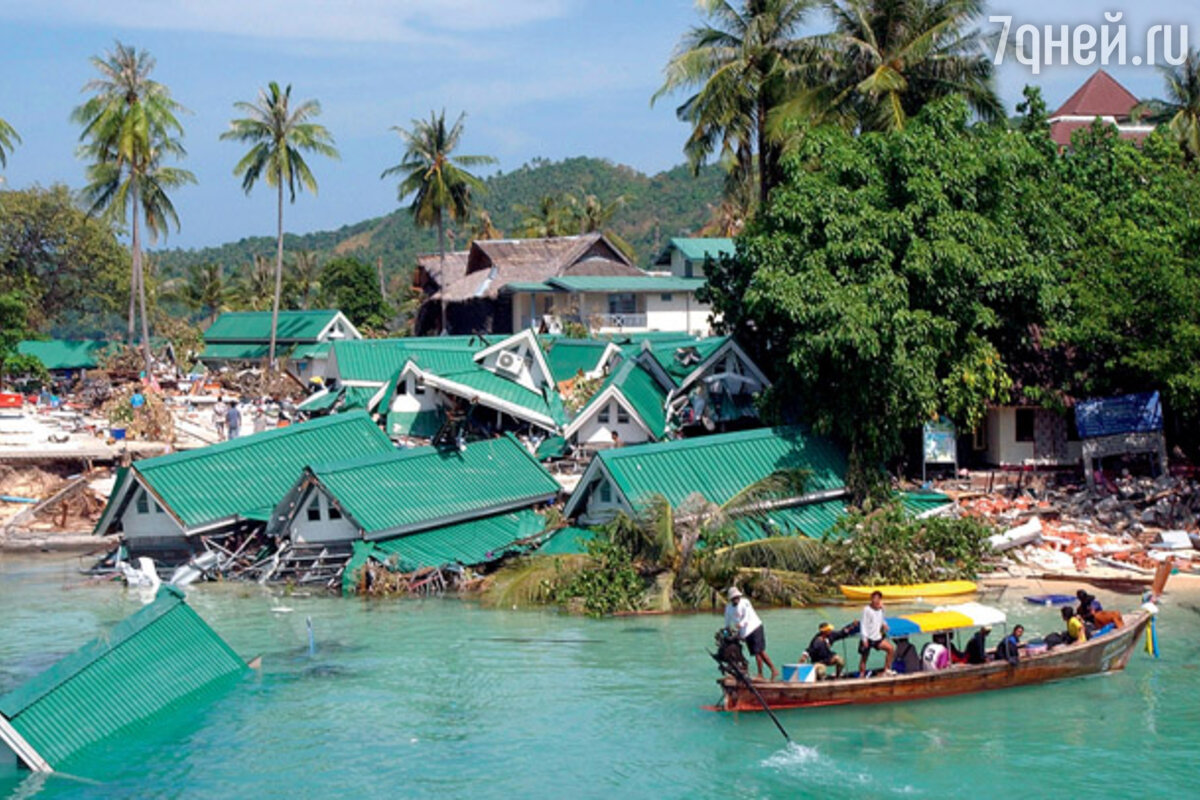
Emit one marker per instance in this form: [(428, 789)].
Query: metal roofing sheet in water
[(476, 542), (162, 655)]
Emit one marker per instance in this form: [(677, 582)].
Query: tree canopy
[(352, 287)]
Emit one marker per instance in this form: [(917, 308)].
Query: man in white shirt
[(873, 633), (740, 617)]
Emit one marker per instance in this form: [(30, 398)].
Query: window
[(979, 436), (143, 502), (419, 387), (666, 297), (604, 416), (314, 510), (1025, 418), (687, 269), (622, 415), (158, 509), (622, 303), (402, 386), (605, 492), (334, 512)]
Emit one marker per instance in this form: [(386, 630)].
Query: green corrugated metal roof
[(551, 447), (478, 541), (427, 486), (920, 502), (567, 542), (58, 354), (356, 397), (697, 248), (255, 326), (161, 656), (568, 357), (482, 381), (414, 423), (640, 390), (319, 401), (626, 283), (244, 475), (812, 519), (672, 358), (719, 466), (526, 286), (377, 360), (232, 351), (313, 350)]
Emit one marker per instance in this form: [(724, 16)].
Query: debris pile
[(1126, 527)]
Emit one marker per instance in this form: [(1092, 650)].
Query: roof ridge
[(631, 451), (245, 441)]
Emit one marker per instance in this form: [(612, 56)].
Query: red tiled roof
[(1100, 96)]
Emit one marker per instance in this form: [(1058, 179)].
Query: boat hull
[(1105, 654), (911, 591)]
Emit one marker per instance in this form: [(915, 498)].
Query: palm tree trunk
[(442, 268), (133, 284), (278, 281), (763, 178), (139, 277)]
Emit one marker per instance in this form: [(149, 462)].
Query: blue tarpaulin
[(1110, 416)]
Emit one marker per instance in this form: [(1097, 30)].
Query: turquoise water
[(439, 698)]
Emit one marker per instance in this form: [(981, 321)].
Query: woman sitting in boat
[(1076, 630)]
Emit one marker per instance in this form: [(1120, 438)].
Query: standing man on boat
[(740, 617), (873, 633)]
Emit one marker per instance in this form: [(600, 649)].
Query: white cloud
[(407, 21)]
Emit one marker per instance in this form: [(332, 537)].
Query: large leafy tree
[(896, 277), (741, 64), (1180, 110), (130, 126), (352, 287), (437, 179), (280, 132), (8, 136), (886, 59), (52, 250)]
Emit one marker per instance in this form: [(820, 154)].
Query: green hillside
[(657, 207)]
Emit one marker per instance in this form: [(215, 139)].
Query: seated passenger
[(1010, 648), (1076, 630), (907, 660), (946, 640), (1088, 606), (977, 647), (822, 655), (1102, 618)]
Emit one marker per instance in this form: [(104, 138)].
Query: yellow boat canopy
[(944, 618)]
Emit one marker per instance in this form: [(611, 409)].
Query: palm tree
[(304, 279), (206, 290), (129, 127), (279, 134), (482, 227), (253, 289), (438, 181), (554, 215), (886, 59), (8, 136), (1181, 110), (741, 64)]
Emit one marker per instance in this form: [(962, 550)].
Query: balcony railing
[(619, 320)]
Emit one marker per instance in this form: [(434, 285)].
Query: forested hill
[(672, 203)]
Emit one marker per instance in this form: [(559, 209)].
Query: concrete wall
[(596, 435), (325, 528), (677, 311), (1004, 450), (409, 398)]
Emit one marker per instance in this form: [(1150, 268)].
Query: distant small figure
[(1010, 648), (233, 420), (219, 412), (740, 617), (616, 440), (260, 420)]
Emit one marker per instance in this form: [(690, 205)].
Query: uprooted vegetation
[(674, 559)]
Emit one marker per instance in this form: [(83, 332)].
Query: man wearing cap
[(821, 654), (740, 617)]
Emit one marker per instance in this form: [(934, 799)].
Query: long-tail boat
[(1106, 652)]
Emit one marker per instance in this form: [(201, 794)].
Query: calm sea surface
[(440, 698)]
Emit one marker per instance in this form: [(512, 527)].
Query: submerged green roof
[(409, 490), (246, 475), (717, 467), (255, 326), (477, 541), (56, 354), (161, 656)]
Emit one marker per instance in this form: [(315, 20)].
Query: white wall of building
[(1004, 450), (144, 519), (602, 504), (410, 396), (595, 433), (317, 521), (677, 311)]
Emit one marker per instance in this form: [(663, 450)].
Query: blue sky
[(551, 78)]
